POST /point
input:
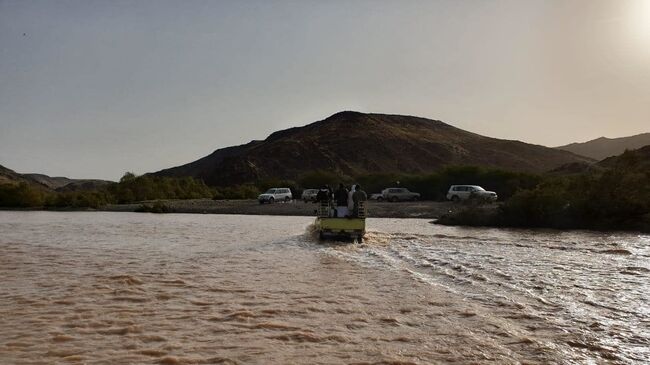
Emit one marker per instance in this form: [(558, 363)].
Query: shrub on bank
[(79, 199), (616, 198), (133, 189), (21, 195), (130, 189)]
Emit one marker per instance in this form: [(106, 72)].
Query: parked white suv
[(464, 192), (309, 195), (398, 194), (275, 195)]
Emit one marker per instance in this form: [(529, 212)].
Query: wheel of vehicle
[(455, 199), (380, 199), (394, 199), (271, 200), (306, 200), (287, 199), (321, 235), (415, 198)]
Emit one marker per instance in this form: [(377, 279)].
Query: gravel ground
[(421, 209)]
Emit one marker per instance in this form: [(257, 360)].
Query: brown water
[(122, 288)]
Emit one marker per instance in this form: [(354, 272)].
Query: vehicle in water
[(350, 227)]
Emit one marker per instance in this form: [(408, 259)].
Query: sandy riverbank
[(422, 209)]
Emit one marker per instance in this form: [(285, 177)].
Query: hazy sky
[(96, 88)]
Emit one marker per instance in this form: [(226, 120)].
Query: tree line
[(130, 189), (613, 198), (616, 197)]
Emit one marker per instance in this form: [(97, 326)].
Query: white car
[(309, 195), (398, 194), (275, 195), (464, 192)]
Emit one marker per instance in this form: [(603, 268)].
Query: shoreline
[(419, 209), (442, 213)]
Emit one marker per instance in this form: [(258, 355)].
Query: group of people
[(346, 200)]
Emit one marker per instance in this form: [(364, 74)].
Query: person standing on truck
[(324, 198), (321, 196), (341, 197), (358, 196), (350, 200)]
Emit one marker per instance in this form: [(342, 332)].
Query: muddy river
[(129, 288)]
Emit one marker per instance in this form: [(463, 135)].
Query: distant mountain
[(66, 184), (638, 159), (51, 182), (602, 147), (84, 184), (8, 176), (353, 144)]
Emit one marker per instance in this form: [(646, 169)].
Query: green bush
[(134, 189), (79, 199), (130, 189), (618, 198), (21, 195)]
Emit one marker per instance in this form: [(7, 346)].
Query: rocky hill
[(60, 183), (353, 144), (8, 176), (51, 182), (602, 147)]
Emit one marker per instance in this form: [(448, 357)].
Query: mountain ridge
[(45, 182), (603, 147), (351, 143)]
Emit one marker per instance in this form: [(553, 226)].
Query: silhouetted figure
[(341, 197), (323, 195), (358, 196), (324, 198)]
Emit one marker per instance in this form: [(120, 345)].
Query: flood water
[(128, 288)]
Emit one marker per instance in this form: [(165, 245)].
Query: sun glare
[(640, 21)]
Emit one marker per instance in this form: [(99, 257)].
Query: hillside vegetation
[(615, 197), (131, 188)]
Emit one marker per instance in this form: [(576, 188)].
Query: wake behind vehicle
[(275, 195), (331, 226), (464, 192)]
